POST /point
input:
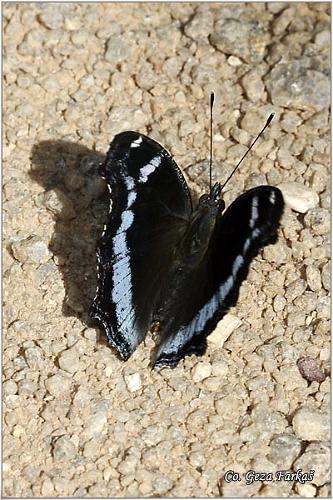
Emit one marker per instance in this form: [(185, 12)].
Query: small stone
[(69, 360), (34, 357), (161, 484), (298, 197), (317, 458), (310, 424), (220, 369), (306, 490), (223, 330), (201, 371), (238, 38), (91, 334), (64, 449), (58, 385), (47, 488), (59, 204), (27, 387), (284, 449), (318, 220), (9, 387), (296, 85), (52, 18), (310, 370), (117, 49), (234, 61), (96, 423), (32, 249), (133, 382), (313, 278), (253, 85)]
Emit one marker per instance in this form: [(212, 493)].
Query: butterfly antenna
[(270, 118), (212, 96)]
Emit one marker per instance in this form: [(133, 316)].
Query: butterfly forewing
[(250, 223), (150, 212)]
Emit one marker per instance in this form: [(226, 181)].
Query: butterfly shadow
[(76, 196)]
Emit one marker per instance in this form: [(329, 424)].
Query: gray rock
[(64, 449), (295, 85), (310, 424), (96, 423), (253, 85), (317, 458), (32, 250), (246, 40), (284, 449), (117, 50)]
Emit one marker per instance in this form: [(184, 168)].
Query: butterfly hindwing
[(250, 223), (150, 209)]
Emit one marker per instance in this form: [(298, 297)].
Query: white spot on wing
[(136, 143), (254, 211), (272, 197), (149, 168)]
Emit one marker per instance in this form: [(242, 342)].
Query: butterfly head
[(213, 198)]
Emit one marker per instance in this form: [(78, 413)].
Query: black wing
[(150, 209), (250, 223)]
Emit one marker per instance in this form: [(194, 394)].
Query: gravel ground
[(77, 420)]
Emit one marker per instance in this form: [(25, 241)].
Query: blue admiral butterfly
[(160, 259)]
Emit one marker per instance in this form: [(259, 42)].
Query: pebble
[(58, 385), (234, 61), (298, 197), (313, 278), (318, 220), (284, 449), (161, 484), (295, 85), (117, 49), (9, 387), (33, 250), (306, 490), (223, 330), (310, 424), (239, 39), (95, 424), (69, 360), (316, 457), (310, 370), (201, 371), (253, 85), (34, 357), (59, 204), (133, 382), (64, 449)]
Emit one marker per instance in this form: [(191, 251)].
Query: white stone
[(234, 61), (298, 197), (58, 385), (133, 382), (306, 490), (201, 371), (310, 424), (223, 330), (69, 360)]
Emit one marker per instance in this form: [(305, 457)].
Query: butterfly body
[(161, 260)]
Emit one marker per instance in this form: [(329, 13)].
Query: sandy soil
[(77, 420)]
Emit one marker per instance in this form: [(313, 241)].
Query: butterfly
[(160, 259)]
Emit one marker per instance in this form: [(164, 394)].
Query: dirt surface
[(77, 420)]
